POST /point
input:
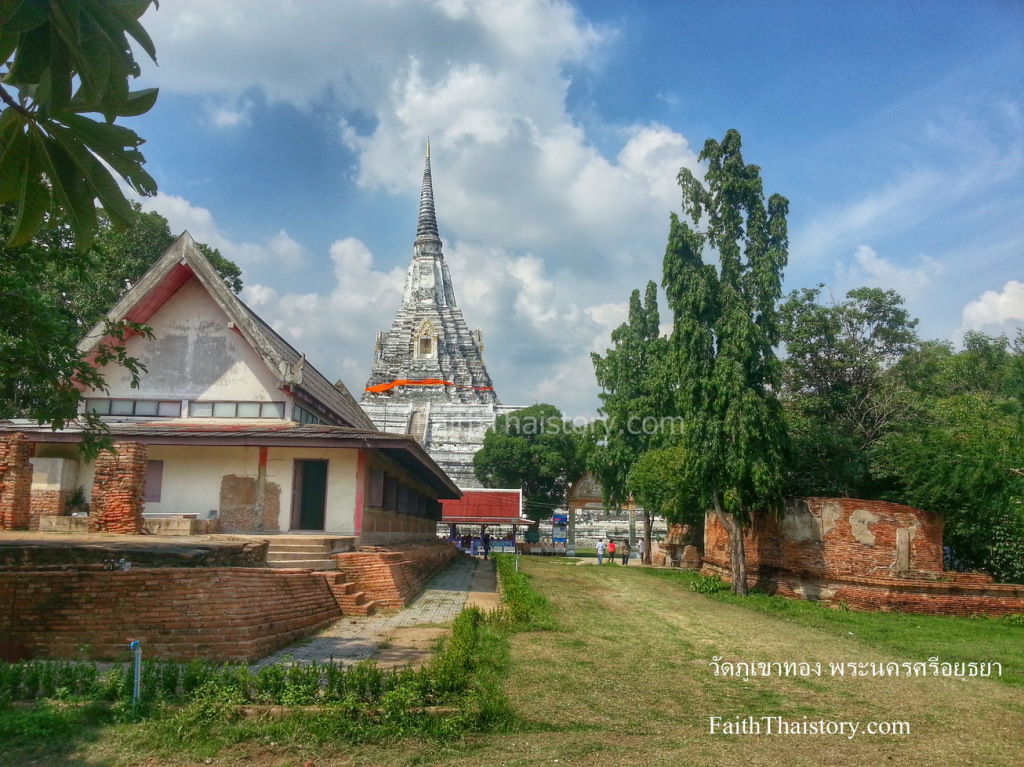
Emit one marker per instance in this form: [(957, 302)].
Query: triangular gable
[(182, 261)]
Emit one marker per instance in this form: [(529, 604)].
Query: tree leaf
[(35, 197), (22, 15), (139, 102)]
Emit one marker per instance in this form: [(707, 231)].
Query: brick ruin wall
[(239, 499), (15, 482), (47, 503), (844, 550), (220, 614), (393, 576), (118, 489)]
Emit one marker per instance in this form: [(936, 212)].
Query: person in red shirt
[(611, 551)]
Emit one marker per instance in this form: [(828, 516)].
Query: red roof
[(497, 507)]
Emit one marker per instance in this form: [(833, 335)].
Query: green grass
[(580, 664), (915, 637)]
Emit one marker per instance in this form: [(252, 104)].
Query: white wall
[(192, 479), (194, 355)]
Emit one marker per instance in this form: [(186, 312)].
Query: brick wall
[(833, 537), (220, 614), (15, 482), (47, 503), (119, 483), (237, 508), (393, 576), (844, 550)]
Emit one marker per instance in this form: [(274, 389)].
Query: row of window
[(173, 409)]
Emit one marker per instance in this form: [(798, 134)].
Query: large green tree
[(636, 396), (725, 330), (840, 390), (962, 454), (535, 449)]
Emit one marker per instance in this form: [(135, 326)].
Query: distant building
[(429, 378)]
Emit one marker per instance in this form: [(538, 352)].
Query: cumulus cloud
[(279, 250), (996, 308), (545, 235), (868, 268)]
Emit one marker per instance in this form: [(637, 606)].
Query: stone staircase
[(306, 552), (351, 601)]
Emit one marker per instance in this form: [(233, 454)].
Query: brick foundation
[(845, 550), (15, 482), (220, 614), (392, 576), (119, 483)]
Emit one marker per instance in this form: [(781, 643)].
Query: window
[(376, 488), (236, 409), (225, 409), (154, 481), (426, 347), (390, 493), (302, 415), (248, 409), (139, 408)]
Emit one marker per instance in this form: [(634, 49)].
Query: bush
[(708, 584)]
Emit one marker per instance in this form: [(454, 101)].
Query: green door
[(309, 501)]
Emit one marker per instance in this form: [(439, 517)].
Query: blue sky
[(293, 140)]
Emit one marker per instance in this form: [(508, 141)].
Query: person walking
[(487, 545), (642, 546), (611, 550), (625, 552), (600, 550)]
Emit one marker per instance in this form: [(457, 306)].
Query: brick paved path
[(354, 638)]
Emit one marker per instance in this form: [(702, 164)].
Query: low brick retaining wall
[(965, 596), (219, 614), (54, 552), (392, 576)]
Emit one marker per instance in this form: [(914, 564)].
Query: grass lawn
[(625, 679)]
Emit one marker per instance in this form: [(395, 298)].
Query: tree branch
[(8, 99)]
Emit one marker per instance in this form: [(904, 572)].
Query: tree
[(635, 392), (64, 60), (535, 449), (840, 390), (725, 328), (962, 454), (657, 482), (89, 283), (965, 458)]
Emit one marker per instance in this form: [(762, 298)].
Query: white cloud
[(872, 270), (226, 116), (992, 308), (279, 250)]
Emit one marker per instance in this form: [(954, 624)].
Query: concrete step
[(279, 556), (302, 564)]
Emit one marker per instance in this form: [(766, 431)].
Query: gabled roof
[(182, 261)]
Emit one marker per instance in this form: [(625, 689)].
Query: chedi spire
[(429, 355)]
